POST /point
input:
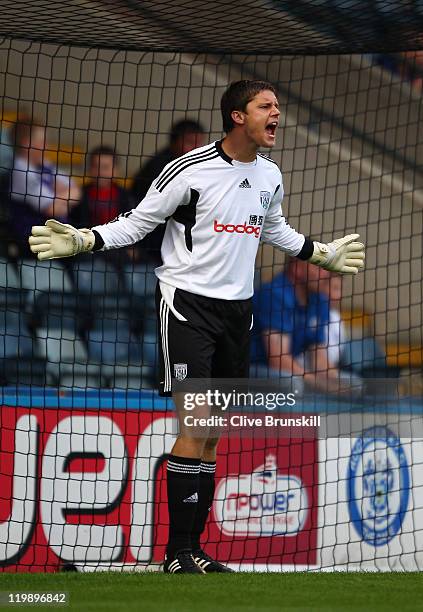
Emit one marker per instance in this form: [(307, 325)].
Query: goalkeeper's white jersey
[(217, 211)]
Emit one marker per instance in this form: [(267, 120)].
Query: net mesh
[(79, 339), (253, 26)]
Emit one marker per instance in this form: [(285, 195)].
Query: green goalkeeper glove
[(55, 239), (345, 255)]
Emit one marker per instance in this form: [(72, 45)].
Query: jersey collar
[(219, 148), (229, 160)]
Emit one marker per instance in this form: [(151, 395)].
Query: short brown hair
[(237, 96), (102, 150), (183, 127)]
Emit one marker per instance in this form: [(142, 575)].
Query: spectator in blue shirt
[(291, 318)]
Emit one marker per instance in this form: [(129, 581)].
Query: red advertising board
[(265, 506), (88, 487)]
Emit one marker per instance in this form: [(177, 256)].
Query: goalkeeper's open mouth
[(271, 129)]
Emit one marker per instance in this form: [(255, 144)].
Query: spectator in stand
[(37, 190), (407, 65), (102, 198), (336, 336), (7, 246), (414, 68), (185, 136), (6, 148), (291, 319)]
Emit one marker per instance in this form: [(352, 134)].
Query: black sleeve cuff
[(99, 242), (307, 250)]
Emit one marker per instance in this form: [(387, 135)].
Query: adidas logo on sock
[(245, 184), (192, 499)]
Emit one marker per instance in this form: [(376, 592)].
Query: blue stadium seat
[(141, 282), (15, 337), (365, 357), (56, 309), (60, 345), (150, 350), (39, 277), (131, 377), (62, 348), (149, 324), (126, 309), (8, 275), (96, 276), (140, 279), (80, 375), (11, 294), (114, 345), (23, 371)]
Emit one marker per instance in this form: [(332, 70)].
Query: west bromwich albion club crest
[(265, 199), (181, 371)]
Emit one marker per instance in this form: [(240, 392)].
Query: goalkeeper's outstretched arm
[(55, 240)]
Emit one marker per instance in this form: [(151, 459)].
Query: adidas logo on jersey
[(245, 184), (192, 499)]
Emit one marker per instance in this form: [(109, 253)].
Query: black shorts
[(214, 341)]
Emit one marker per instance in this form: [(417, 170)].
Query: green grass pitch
[(154, 592)]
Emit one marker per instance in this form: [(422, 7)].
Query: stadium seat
[(11, 294), (114, 345), (149, 324), (80, 375), (8, 274), (23, 371), (118, 351), (126, 309), (15, 337), (6, 239), (62, 349), (149, 350), (94, 275), (58, 302), (39, 277), (65, 307), (140, 279), (60, 345), (131, 377), (140, 282), (365, 357), (12, 299)]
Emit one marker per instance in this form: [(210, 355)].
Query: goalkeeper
[(220, 200)]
